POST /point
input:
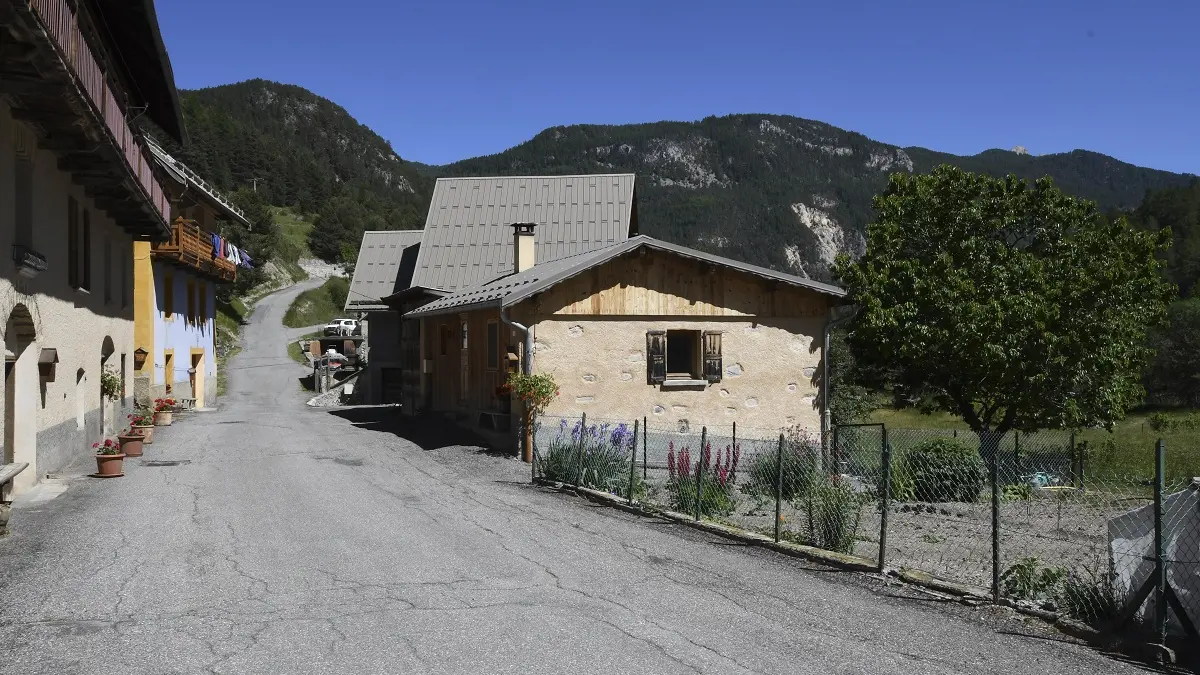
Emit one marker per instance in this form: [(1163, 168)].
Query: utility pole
[(254, 182)]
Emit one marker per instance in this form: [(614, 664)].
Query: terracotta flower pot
[(147, 432), (131, 445), (162, 419), (110, 466)]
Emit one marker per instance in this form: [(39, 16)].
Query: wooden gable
[(655, 283)]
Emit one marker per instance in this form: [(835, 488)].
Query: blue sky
[(451, 79)]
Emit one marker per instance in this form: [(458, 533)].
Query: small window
[(23, 189), (493, 345), (445, 335), (202, 303), (85, 281), (168, 298), (108, 270), (683, 355), (683, 349), (72, 242), (191, 301), (464, 335)]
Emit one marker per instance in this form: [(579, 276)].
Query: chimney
[(523, 248)]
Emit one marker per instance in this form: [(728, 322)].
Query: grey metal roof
[(509, 290), (180, 173), (467, 239), (381, 270)]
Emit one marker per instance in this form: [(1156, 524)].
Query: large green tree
[(1009, 304), (1173, 378)]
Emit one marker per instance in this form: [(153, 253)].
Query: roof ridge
[(571, 175)]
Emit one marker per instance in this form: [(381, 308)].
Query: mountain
[(781, 191), (775, 190), (301, 150)]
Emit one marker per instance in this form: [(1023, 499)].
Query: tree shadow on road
[(428, 433)]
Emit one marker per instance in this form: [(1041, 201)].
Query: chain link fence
[(1105, 535)]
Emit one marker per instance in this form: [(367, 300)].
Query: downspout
[(527, 369), (826, 413)]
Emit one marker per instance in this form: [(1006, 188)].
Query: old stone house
[(467, 240), (79, 188), (639, 328)]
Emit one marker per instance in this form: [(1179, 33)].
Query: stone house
[(467, 240), (385, 265), (639, 328), (175, 284), (78, 188)]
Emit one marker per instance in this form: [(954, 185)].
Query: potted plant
[(110, 461), (504, 394), (537, 392), (131, 443), (110, 383), (142, 422), (163, 407)]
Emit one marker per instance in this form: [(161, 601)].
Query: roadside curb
[(851, 563)]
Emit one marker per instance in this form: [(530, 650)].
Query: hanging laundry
[(216, 245)]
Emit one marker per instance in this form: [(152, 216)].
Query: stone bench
[(7, 473)]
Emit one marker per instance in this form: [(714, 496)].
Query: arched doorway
[(20, 392), (106, 351)]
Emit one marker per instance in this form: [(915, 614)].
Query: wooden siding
[(656, 284), (447, 379)]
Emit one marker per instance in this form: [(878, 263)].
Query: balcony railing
[(192, 247), (62, 25)]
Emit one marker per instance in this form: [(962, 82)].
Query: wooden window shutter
[(656, 356), (712, 357)]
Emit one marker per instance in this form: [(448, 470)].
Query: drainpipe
[(527, 369), (826, 413)]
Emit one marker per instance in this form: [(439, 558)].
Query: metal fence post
[(632, 462), (778, 487), (885, 495), (995, 481), (533, 456), (645, 445), (579, 449), (1160, 568), (700, 469), (1017, 451)]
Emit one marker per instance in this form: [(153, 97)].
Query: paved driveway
[(268, 537)]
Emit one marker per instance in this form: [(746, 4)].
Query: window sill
[(684, 384)]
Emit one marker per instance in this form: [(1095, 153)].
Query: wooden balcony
[(60, 86), (191, 248)]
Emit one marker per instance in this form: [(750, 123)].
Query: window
[(125, 272), (202, 303), (464, 335), (72, 242), (683, 355), (85, 281), (446, 336), (108, 270), (191, 301), (493, 345), (682, 350), (169, 369), (168, 299), (23, 188)]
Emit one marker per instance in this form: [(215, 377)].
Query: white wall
[(44, 415)]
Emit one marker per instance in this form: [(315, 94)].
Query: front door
[(196, 375), (445, 369)]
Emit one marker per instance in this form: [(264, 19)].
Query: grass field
[(295, 228), (294, 350), (318, 305), (1128, 450)]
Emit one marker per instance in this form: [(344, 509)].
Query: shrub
[(1026, 579), (943, 470), (833, 513), (715, 482), (801, 457), (1091, 597), (591, 456)]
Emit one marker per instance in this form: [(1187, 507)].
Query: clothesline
[(222, 249)]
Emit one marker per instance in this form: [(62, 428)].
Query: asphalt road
[(267, 537)]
